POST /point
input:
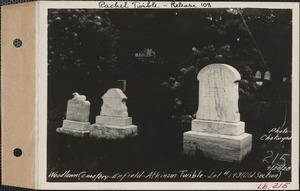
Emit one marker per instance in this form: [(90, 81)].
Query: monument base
[(75, 128), (218, 127), (75, 133), (216, 146), (102, 131), (117, 121)]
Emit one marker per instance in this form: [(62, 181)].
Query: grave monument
[(258, 78), (267, 75), (113, 121), (77, 118), (217, 131)]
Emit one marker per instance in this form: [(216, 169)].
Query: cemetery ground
[(158, 146)]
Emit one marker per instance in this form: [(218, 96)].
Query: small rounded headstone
[(267, 75), (258, 75)]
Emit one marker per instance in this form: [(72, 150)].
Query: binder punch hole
[(17, 152), (17, 43)]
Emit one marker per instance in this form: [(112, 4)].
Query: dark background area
[(74, 141)]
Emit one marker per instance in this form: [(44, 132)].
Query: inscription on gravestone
[(218, 94)]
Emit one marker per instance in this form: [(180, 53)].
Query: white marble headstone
[(77, 118), (218, 133), (218, 93), (78, 108), (114, 103), (267, 75), (113, 121), (258, 75)]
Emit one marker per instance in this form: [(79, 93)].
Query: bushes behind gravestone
[(83, 54), (182, 88), (256, 103), (82, 50)]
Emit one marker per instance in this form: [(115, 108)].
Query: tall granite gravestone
[(217, 131), (113, 121), (77, 119)]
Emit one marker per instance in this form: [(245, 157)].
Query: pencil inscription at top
[(179, 4), (146, 5), (115, 5), (125, 4)]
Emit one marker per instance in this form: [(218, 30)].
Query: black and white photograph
[(137, 92)]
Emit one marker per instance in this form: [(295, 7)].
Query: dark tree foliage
[(82, 49), (90, 49), (249, 40)]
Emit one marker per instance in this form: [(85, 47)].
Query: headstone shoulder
[(79, 102), (234, 75), (114, 93)]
